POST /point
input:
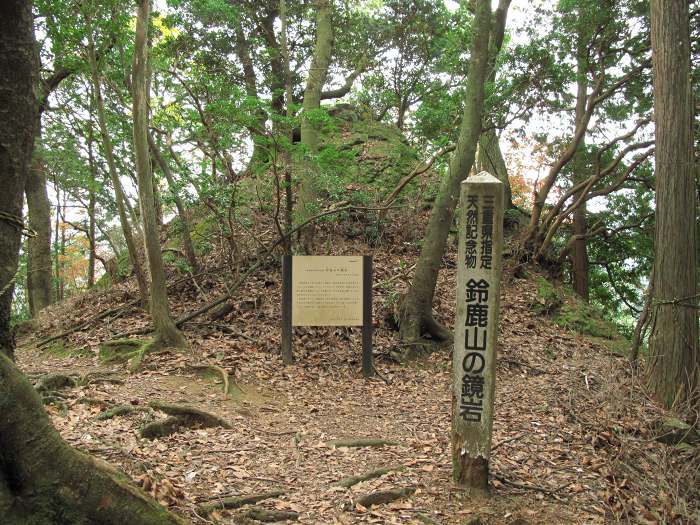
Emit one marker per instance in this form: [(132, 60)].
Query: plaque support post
[(286, 350), (367, 359), (479, 265)]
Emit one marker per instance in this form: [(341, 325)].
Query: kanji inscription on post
[(476, 327)]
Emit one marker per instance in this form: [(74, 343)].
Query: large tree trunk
[(674, 360), (39, 265), (45, 481), (416, 316), (309, 127), (120, 198), (18, 111), (166, 330)]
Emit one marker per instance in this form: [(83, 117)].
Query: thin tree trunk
[(91, 206), (165, 328), (39, 278), (643, 322), (416, 316), (56, 248), (310, 131), (116, 184), (674, 357), (62, 249), (579, 250), (286, 157), (179, 205), (489, 155)]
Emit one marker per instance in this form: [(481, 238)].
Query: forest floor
[(574, 432)]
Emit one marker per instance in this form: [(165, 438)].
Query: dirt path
[(549, 465)]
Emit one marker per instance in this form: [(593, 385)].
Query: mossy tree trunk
[(120, 198), (674, 353), (416, 317), (310, 126), (165, 328), (18, 113)]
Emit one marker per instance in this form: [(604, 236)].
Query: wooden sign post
[(327, 291), (476, 328)]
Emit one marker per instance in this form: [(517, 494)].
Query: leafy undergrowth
[(574, 436)]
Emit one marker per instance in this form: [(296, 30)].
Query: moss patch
[(572, 313), (59, 348), (123, 350)]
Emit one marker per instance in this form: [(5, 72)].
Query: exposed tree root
[(180, 416), (163, 427), (227, 383), (354, 480), (54, 382), (44, 480), (131, 350), (269, 515), (362, 442), (119, 410), (236, 502), (384, 496)]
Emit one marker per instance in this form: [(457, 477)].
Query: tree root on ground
[(44, 480), (236, 502), (227, 386), (362, 442), (269, 515), (131, 350), (119, 410), (354, 480), (384, 496), (180, 416)]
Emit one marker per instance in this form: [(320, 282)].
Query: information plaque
[(327, 291)]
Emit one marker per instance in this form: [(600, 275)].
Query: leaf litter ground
[(574, 435)]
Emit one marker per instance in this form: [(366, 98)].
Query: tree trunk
[(286, 226), (39, 275), (57, 250), (579, 250), (674, 360), (490, 159), (489, 155), (109, 156), (92, 224), (179, 204), (416, 316), (309, 128), (165, 328), (18, 113)]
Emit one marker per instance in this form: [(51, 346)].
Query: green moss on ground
[(570, 312), (122, 350)]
